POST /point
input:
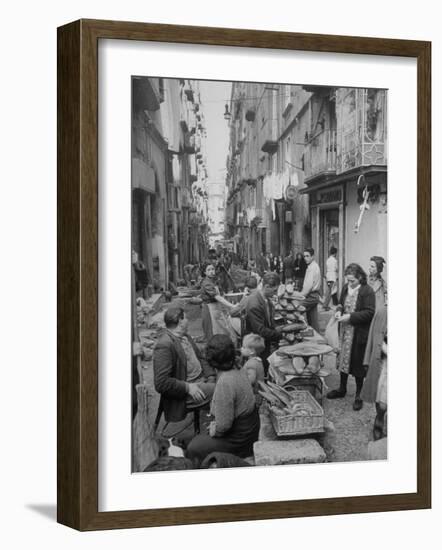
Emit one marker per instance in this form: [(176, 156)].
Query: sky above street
[(214, 96)]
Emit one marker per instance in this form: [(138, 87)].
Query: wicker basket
[(310, 382), (296, 424)]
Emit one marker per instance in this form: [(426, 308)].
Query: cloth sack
[(332, 333)]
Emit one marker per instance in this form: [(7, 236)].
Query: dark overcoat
[(361, 320), (259, 320), (170, 374)]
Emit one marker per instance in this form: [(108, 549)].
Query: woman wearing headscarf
[(235, 425), (354, 314), (215, 320), (376, 281)]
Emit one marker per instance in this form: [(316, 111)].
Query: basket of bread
[(292, 413)]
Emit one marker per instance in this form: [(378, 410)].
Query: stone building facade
[(169, 197), (307, 166)]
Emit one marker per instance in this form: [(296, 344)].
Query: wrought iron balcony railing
[(320, 154)]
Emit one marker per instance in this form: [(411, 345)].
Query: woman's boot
[(378, 427), (336, 394), (357, 405)]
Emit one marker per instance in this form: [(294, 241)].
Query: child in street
[(252, 346)]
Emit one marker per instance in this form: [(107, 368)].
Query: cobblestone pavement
[(345, 440)]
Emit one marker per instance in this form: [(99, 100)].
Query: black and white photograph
[(259, 274)]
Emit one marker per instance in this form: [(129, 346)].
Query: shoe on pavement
[(357, 405), (336, 394)]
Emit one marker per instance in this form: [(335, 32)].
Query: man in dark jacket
[(181, 376), (259, 314)]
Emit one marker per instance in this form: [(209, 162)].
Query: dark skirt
[(357, 368), (238, 440)]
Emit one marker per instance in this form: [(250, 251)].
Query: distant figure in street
[(331, 279), (275, 264), (254, 271), (262, 264), (289, 267), (212, 255), (228, 260), (235, 425), (181, 375), (222, 275), (260, 315), (214, 317), (376, 281), (299, 270), (311, 288), (354, 314)]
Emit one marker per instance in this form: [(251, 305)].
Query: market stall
[(295, 387)]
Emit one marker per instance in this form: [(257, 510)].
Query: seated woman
[(236, 420)]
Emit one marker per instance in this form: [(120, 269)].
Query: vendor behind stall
[(249, 287), (260, 314)]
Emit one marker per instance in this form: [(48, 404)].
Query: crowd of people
[(228, 384)]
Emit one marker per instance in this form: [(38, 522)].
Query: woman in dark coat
[(354, 314)]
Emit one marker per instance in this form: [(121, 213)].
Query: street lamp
[(227, 115)]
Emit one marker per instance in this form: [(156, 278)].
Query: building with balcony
[(169, 200), (303, 161), (345, 168), (265, 212)]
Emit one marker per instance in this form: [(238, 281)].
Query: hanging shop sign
[(327, 196)]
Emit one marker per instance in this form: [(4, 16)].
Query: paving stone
[(293, 451), (378, 450), (266, 431)]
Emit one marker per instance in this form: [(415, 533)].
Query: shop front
[(328, 226), (352, 217)]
